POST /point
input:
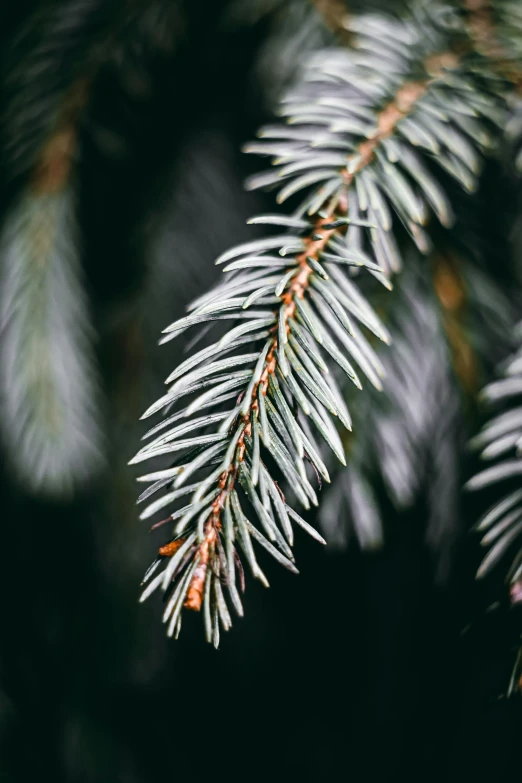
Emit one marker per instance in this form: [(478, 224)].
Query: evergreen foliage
[(336, 352), (373, 133)]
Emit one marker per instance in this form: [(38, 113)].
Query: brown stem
[(450, 290), (483, 33), (53, 169), (334, 14), (197, 584), (482, 28), (405, 99)]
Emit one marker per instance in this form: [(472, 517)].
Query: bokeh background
[(358, 669)]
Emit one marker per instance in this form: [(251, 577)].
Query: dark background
[(358, 668)]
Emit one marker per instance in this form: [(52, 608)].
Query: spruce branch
[(48, 378), (347, 145), (500, 527), (58, 48), (500, 443), (49, 396), (49, 404)]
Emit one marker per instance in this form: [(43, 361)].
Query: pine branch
[(49, 401), (347, 144), (500, 442), (59, 47), (49, 397)]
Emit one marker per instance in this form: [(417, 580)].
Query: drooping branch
[(349, 146), (49, 391), (324, 228), (48, 377)]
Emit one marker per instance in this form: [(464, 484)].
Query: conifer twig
[(347, 145), (49, 395)]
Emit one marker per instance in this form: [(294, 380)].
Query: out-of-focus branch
[(49, 397)]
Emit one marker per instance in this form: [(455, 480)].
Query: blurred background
[(359, 666)]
